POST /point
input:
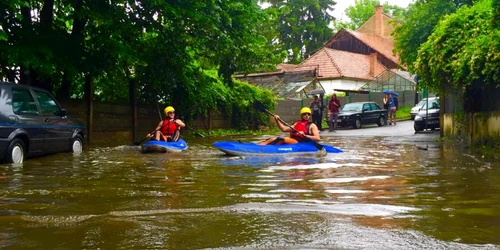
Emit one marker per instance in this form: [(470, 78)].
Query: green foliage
[(417, 27), (243, 114), (495, 21), (236, 101), (177, 52), (362, 10), (418, 24), (463, 49), (403, 113), (302, 26)]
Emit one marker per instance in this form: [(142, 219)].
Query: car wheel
[(76, 145), (381, 121), (417, 128), (357, 123), (16, 151)]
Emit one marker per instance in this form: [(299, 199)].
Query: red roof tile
[(331, 63), (286, 66)]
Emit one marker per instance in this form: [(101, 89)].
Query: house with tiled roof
[(351, 60)]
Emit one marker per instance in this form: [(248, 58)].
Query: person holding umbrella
[(392, 110)]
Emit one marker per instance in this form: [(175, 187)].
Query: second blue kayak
[(250, 148), (163, 147)]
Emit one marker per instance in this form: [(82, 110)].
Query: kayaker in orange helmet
[(303, 128), (168, 129)]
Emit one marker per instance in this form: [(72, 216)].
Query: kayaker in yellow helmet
[(169, 128), (303, 128)]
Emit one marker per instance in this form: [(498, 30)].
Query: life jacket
[(168, 128), (301, 125)]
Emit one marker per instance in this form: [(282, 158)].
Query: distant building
[(350, 60)]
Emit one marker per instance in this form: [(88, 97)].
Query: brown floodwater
[(378, 194)]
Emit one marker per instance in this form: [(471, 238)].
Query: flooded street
[(383, 192)]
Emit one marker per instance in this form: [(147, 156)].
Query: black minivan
[(33, 123)]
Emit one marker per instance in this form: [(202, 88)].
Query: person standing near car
[(392, 110), (385, 100), (333, 112), (316, 107)]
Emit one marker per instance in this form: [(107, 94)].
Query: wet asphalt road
[(403, 131)]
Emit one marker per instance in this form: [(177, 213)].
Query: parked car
[(356, 114), (414, 111), (32, 123), (428, 117)]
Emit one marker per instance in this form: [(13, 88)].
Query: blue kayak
[(163, 146), (250, 148)]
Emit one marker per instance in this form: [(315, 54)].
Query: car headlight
[(418, 118)]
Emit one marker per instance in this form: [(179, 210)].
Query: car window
[(421, 103), (366, 107), (23, 102), (48, 105), (352, 107), (433, 104), (374, 106)]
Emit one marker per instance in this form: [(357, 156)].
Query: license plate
[(338, 120), (432, 122)]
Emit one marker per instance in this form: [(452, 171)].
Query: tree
[(362, 10), (459, 53), (110, 40), (418, 25), (302, 26)]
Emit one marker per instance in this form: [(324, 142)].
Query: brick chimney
[(379, 22), (373, 63)]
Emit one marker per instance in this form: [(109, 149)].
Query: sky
[(343, 4)]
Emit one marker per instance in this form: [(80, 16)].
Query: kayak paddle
[(259, 106), (196, 132)]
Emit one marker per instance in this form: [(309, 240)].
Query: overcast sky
[(343, 4)]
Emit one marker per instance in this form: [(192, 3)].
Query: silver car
[(414, 111)]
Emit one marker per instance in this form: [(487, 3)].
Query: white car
[(414, 111)]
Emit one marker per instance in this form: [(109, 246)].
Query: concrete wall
[(330, 85), (476, 128)]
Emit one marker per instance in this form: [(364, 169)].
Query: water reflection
[(378, 194)]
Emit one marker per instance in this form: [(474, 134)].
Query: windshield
[(424, 101), (421, 103), (433, 104), (353, 107)]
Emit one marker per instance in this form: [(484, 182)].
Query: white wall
[(330, 85)]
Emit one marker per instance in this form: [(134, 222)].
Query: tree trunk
[(133, 107), (47, 15), (46, 19), (25, 77), (63, 93), (89, 98), (79, 23)]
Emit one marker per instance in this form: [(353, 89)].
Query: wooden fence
[(115, 121)]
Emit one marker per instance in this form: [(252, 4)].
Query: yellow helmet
[(169, 109), (305, 110)]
